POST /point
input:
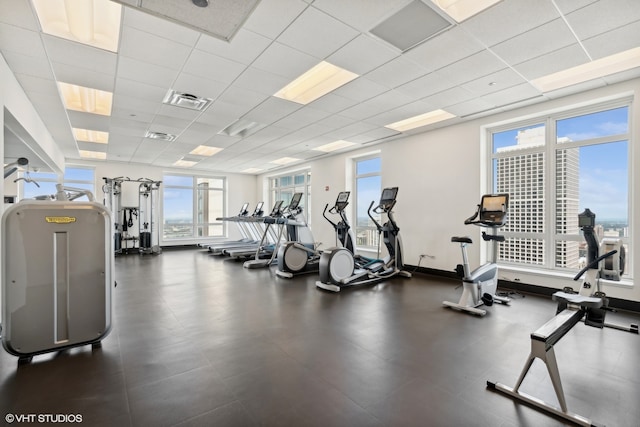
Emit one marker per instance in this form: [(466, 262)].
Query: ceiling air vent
[(411, 26), (186, 100), (160, 136), (242, 128)]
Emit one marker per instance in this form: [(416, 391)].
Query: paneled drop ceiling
[(482, 65)]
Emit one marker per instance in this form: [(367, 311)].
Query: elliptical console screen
[(343, 196), (388, 196)]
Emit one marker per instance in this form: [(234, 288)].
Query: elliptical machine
[(479, 285), (344, 234), (300, 253), (338, 266)]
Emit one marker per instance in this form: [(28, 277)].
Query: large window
[(555, 167), (44, 183), (191, 205), (283, 187), (368, 185)]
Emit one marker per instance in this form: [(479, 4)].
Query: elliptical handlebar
[(324, 214)]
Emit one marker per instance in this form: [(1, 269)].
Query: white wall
[(438, 175)]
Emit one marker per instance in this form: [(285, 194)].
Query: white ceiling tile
[(362, 55), (271, 17), (316, 33), (213, 67), (260, 81), (374, 106), (618, 40), (373, 135), (427, 85), (360, 14), (509, 18), (29, 65), (125, 106), (452, 96), (603, 16), (550, 63), (158, 26), (472, 67), (126, 126), (400, 113), (178, 113), (244, 48), (284, 61), (271, 110), (81, 77), (470, 107), (144, 72), (539, 41), (301, 117), (88, 121), (221, 114), (18, 13), (140, 90), (444, 49), (169, 124), (494, 82), (360, 89), (512, 94), (198, 133), (87, 58), (335, 121), (396, 72), (39, 86), (568, 6), (153, 49), (332, 103), (20, 40)]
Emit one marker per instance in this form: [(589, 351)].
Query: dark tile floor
[(200, 341)]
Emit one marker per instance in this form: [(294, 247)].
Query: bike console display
[(493, 209)]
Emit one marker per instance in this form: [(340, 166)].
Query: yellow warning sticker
[(60, 219)]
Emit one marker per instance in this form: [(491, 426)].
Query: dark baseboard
[(615, 303)]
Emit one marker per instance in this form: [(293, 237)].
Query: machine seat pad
[(583, 301), (464, 239)]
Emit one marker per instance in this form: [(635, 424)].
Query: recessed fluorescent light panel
[(318, 81), (96, 155), (333, 146), (242, 128), (87, 135), (160, 136), (252, 170), (461, 10), (284, 160), (591, 70), (185, 163), (205, 150), (420, 120), (85, 99), (92, 22), (186, 100)]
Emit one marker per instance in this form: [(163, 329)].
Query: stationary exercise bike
[(479, 285)]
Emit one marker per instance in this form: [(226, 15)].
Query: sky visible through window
[(604, 183)]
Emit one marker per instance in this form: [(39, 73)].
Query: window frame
[(551, 236), (275, 190), (356, 176), (195, 215)]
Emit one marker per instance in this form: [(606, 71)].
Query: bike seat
[(464, 239)]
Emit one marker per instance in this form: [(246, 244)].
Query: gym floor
[(200, 341)]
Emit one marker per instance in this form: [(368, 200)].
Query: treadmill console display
[(258, 210), (295, 201), (276, 208), (244, 210)]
